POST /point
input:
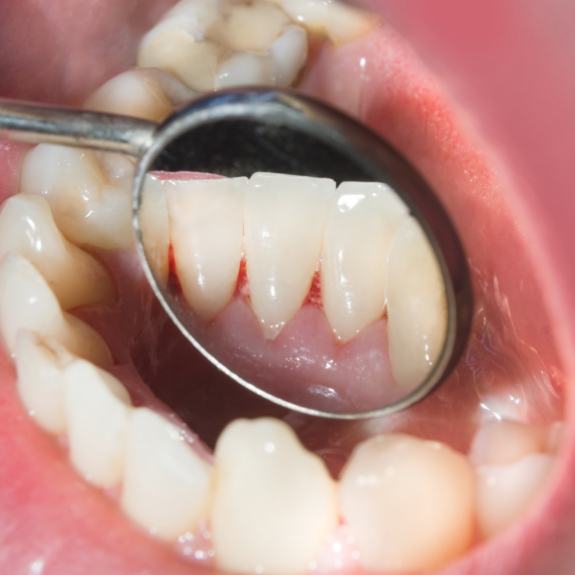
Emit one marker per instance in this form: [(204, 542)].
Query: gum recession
[(50, 514)]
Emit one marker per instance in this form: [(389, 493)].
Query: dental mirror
[(290, 244)]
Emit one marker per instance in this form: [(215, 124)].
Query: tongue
[(86, 530)]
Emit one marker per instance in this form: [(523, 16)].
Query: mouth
[(486, 456)]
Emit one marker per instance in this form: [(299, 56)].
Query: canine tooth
[(288, 54), (97, 408), (504, 492), (86, 208), (249, 27), (244, 69), (27, 227), (340, 22), (173, 46), (501, 442), (284, 223), (358, 235), (409, 503), (28, 303), (148, 94), (167, 485), (40, 368), (155, 225), (416, 306), (207, 231), (274, 502)]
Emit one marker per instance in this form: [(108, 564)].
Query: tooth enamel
[(505, 492), (172, 46), (167, 485), (416, 306), (40, 367), (206, 233), (87, 210), (148, 94), (244, 69), (501, 442), (274, 502), (284, 223), (155, 226), (97, 409), (409, 503), (196, 16), (249, 27), (288, 54), (28, 228), (341, 23), (358, 235), (28, 303)]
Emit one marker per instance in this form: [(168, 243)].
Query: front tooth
[(28, 228), (149, 94), (505, 492), (409, 503), (245, 69), (249, 27), (40, 368), (206, 231), (274, 502), (97, 408), (416, 306), (173, 46), (166, 485), (86, 208), (288, 54), (358, 235), (501, 442), (284, 223), (155, 227), (28, 303)]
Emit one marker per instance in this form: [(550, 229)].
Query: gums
[(40, 468)]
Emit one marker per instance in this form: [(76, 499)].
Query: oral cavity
[(401, 502)]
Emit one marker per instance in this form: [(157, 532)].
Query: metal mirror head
[(384, 317)]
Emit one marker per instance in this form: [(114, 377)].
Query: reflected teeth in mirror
[(416, 306), (249, 27), (97, 409), (505, 492), (40, 368), (409, 503), (284, 224), (274, 502), (28, 228), (288, 54), (338, 21), (173, 46), (87, 209), (501, 442), (207, 231), (167, 485), (244, 69), (155, 226), (358, 235), (196, 16), (28, 303), (143, 93)]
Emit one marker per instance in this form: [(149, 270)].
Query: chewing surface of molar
[(87, 208), (274, 502), (28, 303), (28, 228)]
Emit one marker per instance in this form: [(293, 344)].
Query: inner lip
[(196, 426)]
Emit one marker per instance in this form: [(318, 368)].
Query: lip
[(539, 151)]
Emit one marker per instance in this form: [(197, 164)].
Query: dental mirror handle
[(35, 124)]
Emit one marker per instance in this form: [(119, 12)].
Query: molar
[(274, 502), (28, 228), (28, 303)]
